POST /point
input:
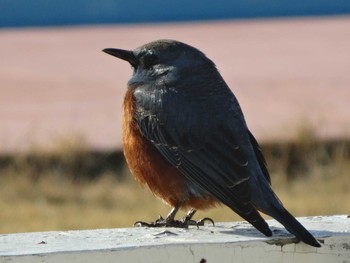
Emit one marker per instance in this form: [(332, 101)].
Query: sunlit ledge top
[(327, 229)]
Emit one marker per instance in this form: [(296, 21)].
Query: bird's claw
[(183, 223), (201, 222), (163, 223), (142, 224)]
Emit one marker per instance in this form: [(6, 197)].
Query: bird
[(185, 138)]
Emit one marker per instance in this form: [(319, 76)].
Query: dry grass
[(74, 189)]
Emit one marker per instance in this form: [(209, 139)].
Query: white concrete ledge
[(226, 242)]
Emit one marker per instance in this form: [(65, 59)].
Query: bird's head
[(165, 61)]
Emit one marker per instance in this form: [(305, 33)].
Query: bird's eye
[(149, 60)]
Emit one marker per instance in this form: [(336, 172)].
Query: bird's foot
[(183, 223), (188, 219), (161, 222)]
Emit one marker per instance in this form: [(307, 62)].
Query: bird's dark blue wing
[(260, 157), (211, 149)]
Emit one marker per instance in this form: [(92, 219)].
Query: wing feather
[(209, 151), (212, 152)]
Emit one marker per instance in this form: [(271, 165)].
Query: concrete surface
[(226, 242), (55, 83)]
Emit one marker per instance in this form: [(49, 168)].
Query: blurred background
[(61, 161)]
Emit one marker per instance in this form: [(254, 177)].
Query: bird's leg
[(161, 222), (170, 221), (189, 221), (189, 215), (173, 212)]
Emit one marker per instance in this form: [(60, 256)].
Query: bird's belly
[(150, 168)]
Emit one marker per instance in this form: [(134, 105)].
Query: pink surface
[(56, 82)]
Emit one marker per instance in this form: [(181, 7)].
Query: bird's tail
[(265, 200), (293, 226), (257, 221)]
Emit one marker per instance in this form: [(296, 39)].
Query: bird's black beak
[(122, 54)]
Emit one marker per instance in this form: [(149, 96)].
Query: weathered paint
[(226, 242)]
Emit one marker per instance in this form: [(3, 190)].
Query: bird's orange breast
[(150, 168)]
